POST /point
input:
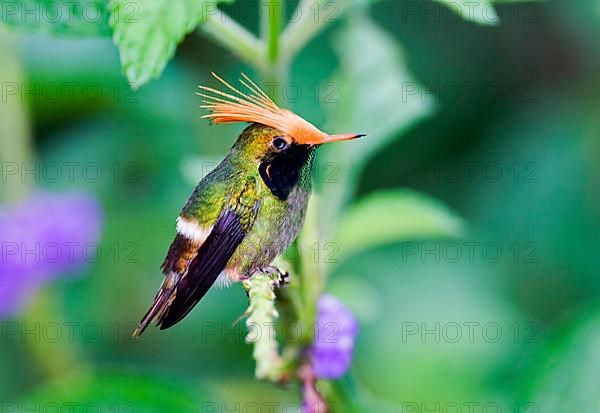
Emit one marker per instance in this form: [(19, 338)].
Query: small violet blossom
[(41, 238), (334, 339)]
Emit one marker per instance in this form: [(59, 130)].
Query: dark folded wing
[(212, 257)]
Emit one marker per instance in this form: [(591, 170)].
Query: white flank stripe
[(223, 281), (191, 230)]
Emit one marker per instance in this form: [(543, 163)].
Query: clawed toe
[(284, 278), (280, 277)]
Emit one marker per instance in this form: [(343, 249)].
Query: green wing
[(234, 222)]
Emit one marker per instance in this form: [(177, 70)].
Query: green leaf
[(377, 96), (62, 18), (117, 391), (569, 380), (147, 32), (374, 85), (394, 216)]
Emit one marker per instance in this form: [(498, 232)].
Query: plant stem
[(262, 317), (311, 282), (271, 56), (309, 272), (225, 31), (274, 73), (15, 135), (272, 15)]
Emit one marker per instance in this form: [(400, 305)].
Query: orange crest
[(255, 106)]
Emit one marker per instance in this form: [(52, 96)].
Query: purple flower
[(41, 238), (334, 339)]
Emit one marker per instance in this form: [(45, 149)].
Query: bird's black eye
[(279, 143)]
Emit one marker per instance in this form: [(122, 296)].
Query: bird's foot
[(280, 277)]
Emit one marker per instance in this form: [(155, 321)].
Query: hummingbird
[(246, 211)]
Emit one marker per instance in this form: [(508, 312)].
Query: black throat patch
[(282, 172)]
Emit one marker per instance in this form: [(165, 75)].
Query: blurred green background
[(461, 103)]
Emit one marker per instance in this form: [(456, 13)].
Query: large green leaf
[(393, 216), (147, 32), (569, 381), (65, 18), (376, 90), (377, 96)]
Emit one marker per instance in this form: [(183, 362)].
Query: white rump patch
[(223, 281), (227, 277), (191, 230)]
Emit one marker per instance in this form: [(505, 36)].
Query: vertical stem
[(309, 285), (274, 73), (313, 401), (311, 282), (310, 275), (272, 25), (15, 136)]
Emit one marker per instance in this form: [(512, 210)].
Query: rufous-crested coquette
[(245, 212)]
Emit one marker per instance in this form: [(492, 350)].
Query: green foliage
[(118, 391), (394, 216), (148, 36), (376, 64), (399, 354), (61, 18), (375, 82), (569, 379), (147, 32), (373, 77)]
